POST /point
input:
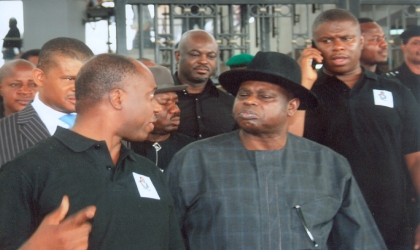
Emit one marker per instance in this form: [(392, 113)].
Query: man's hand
[(55, 232), (309, 75)]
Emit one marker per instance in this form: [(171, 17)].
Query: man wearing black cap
[(409, 71), (262, 188), (369, 119), (163, 142)]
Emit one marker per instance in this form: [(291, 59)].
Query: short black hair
[(99, 75), (64, 46), (29, 53), (333, 15), (365, 20)]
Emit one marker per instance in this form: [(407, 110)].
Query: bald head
[(193, 35), (10, 67), (197, 59), (17, 86), (101, 74)]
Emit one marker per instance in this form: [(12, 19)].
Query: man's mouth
[(23, 101), (176, 119), (247, 115), (202, 70), (72, 99)]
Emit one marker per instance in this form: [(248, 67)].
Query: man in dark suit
[(60, 60)]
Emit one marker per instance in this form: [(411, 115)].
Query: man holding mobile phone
[(367, 118)]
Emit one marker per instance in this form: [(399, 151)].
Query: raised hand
[(55, 232)]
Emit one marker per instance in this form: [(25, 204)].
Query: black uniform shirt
[(33, 184), (163, 150), (408, 78), (206, 114), (360, 124)]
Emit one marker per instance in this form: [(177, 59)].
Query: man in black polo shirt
[(409, 71), (205, 110), (371, 120), (90, 167)]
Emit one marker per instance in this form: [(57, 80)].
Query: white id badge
[(383, 98), (145, 186)]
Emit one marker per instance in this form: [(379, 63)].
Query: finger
[(55, 217), (78, 238), (80, 217)]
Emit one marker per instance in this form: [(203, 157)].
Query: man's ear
[(116, 98), (177, 54), (39, 76), (402, 47), (293, 105), (362, 40)]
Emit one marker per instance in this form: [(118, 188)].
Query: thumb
[(56, 216)]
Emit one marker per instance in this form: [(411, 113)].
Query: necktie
[(68, 119)]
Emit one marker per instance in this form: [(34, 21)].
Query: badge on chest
[(145, 186)]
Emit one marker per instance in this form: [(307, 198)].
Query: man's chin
[(200, 80)]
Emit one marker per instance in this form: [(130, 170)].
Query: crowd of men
[(104, 152)]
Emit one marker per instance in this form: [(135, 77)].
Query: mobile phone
[(315, 65)]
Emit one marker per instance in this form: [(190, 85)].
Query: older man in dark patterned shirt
[(262, 188)]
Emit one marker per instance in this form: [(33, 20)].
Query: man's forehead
[(414, 38), (198, 42), (370, 27), (336, 26)]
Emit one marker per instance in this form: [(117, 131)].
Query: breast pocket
[(312, 222)]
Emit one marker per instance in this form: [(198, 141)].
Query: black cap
[(409, 33)]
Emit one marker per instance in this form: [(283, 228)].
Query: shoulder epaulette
[(393, 73)]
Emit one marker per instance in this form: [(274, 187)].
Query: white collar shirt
[(49, 116)]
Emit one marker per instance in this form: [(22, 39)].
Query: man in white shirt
[(60, 60)]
